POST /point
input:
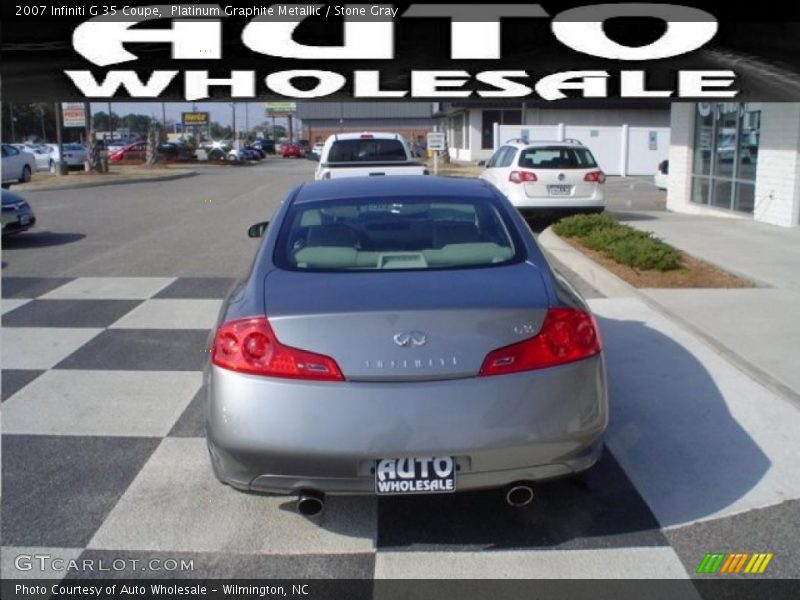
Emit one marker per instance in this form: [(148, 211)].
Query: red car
[(131, 153), (292, 151)]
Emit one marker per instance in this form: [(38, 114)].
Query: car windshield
[(557, 157), (407, 234), (367, 150)]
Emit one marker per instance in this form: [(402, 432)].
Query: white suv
[(544, 176)]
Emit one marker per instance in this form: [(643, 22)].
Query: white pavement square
[(9, 304), (37, 563), (109, 403), (41, 347), (109, 288), (603, 563), (171, 314), (176, 504), (697, 437)]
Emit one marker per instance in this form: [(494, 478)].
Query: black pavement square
[(58, 490), (192, 423), (69, 313), (142, 350), (598, 509), (30, 287), (210, 288), (213, 565), (13, 380)]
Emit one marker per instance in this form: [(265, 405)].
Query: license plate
[(559, 190), (420, 475), (24, 219)]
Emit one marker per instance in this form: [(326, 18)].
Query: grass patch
[(621, 243)]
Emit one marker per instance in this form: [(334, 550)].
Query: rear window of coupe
[(557, 157), (400, 234), (367, 150)]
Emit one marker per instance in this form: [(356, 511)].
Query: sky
[(221, 112)]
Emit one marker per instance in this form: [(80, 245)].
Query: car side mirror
[(257, 230), (481, 163)]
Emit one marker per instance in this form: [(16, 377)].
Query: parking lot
[(107, 306)]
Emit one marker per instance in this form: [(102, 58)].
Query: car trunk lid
[(406, 326)]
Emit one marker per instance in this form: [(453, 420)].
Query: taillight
[(250, 346), (595, 177), (567, 335), (522, 177), (367, 136)]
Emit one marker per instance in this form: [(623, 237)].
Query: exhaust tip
[(519, 494), (310, 503)]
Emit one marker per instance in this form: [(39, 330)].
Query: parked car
[(366, 154), (74, 154), (17, 165), (258, 151), (17, 213), (42, 154), (547, 176), (136, 152), (292, 151), (661, 178), (402, 335), (266, 145), (317, 149)]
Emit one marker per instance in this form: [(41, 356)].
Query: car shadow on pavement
[(677, 455), (40, 239), (671, 427)]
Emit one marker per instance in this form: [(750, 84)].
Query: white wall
[(778, 170), (607, 117)]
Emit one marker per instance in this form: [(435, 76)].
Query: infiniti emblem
[(405, 339), (561, 176)]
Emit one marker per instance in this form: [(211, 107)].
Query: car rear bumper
[(522, 201), (280, 436)]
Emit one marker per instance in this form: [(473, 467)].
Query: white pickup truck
[(366, 154)]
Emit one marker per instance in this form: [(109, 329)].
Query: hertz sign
[(191, 119)]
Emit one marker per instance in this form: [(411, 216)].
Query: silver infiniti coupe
[(402, 336)]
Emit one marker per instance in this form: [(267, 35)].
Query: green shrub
[(646, 253), (621, 243), (600, 239), (583, 225)]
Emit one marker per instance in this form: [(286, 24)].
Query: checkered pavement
[(103, 457)]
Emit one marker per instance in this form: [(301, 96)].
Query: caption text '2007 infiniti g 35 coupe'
[(402, 336)]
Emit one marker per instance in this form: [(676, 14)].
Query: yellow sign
[(195, 119)]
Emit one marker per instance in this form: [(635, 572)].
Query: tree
[(32, 121), (101, 121), (218, 132)]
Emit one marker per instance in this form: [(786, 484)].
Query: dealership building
[(412, 120), (736, 160)]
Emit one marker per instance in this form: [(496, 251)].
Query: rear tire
[(26, 174)]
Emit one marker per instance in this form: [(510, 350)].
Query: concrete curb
[(91, 184), (612, 286), (599, 278)]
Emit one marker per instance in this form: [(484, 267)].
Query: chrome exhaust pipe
[(310, 503), (519, 494)]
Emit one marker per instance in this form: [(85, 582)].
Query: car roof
[(568, 143), (378, 135), (392, 187)]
